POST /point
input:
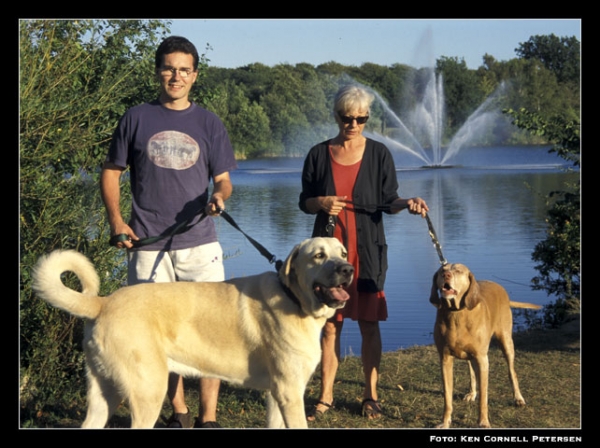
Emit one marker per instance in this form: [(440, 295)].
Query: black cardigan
[(376, 184)]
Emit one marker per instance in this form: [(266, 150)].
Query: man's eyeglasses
[(170, 71), (348, 120)]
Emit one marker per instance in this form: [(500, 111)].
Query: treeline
[(285, 109)]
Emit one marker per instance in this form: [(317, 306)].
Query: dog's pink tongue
[(339, 294)]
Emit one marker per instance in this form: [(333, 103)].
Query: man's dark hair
[(175, 44)]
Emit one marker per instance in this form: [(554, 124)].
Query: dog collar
[(290, 294)]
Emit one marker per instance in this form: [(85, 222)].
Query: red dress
[(361, 305)]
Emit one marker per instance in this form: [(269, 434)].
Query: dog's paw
[(470, 396), (519, 402), (484, 424)]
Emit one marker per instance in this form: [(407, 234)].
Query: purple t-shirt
[(172, 156)]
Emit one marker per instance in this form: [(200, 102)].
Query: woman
[(348, 182)]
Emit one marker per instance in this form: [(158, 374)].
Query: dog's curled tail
[(48, 285), (524, 305)]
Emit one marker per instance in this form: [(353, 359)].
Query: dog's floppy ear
[(287, 269), (472, 297), (434, 296)]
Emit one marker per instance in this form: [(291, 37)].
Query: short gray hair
[(352, 97)]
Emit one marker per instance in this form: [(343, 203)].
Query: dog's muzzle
[(336, 296)]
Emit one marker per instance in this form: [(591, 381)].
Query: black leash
[(370, 208), (264, 252), (186, 225), (180, 228), (435, 241)]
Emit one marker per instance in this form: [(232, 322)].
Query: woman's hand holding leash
[(415, 206), (333, 205)]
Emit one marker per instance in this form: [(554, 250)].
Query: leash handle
[(120, 238)]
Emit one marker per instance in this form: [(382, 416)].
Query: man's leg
[(157, 267), (176, 394), (203, 264), (149, 266)]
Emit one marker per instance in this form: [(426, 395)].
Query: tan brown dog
[(261, 331), (470, 313)]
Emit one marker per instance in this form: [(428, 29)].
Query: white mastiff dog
[(261, 332)]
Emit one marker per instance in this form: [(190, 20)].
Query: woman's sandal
[(371, 408), (315, 412)]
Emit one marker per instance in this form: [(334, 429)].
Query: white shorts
[(198, 264)]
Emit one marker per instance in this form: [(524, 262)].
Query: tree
[(312, 97), (561, 55), (246, 121), (488, 77), (296, 105), (535, 88), (560, 253), (378, 77), (332, 68), (461, 91), (76, 79), (256, 78)]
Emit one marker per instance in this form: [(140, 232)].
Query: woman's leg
[(371, 359), (330, 359)]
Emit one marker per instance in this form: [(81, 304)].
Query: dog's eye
[(344, 254), (319, 255)]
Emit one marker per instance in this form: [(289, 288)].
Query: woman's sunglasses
[(348, 120)]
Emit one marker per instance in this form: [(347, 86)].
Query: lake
[(488, 211)]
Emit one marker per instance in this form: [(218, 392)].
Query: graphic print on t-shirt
[(174, 150)]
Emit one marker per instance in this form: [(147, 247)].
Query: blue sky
[(415, 42)]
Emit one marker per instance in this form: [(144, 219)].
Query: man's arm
[(110, 189), (221, 192)]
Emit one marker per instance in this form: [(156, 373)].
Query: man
[(173, 148)]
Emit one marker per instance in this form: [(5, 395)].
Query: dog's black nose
[(346, 269)]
